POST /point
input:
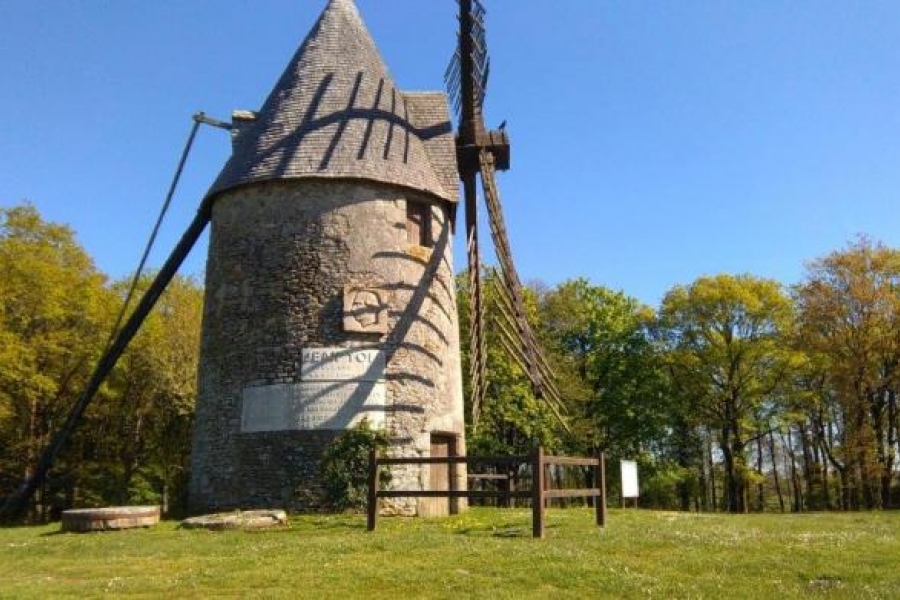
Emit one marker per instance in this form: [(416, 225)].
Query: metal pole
[(162, 213)]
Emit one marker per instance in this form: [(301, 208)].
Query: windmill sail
[(521, 342), (482, 152)]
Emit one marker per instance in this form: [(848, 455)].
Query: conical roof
[(336, 113)]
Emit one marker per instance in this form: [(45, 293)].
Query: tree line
[(735, 394), (57, 313)]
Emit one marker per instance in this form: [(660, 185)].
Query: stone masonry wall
[(280, 256)]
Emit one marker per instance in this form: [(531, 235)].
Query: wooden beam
[(579, 493), (374, 484), (600, 482), (537, 493), (570, 461), (450, 494)]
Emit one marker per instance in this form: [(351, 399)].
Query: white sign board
[(338, 388), (629, 479)]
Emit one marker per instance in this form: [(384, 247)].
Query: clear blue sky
[(653, 142)]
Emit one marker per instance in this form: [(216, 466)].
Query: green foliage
[(849, 324), (622, 391), (56, 314), (727, 353), (345, 466), (53, 308), (663, 484), (732, 391), (148, 412)]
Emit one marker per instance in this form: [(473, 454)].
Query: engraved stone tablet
[(312, 405), (339, 387), (340, 364)]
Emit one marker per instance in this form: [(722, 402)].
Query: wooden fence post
[(537, 493), (548, 480), (372, 504), (506, 486), (600, 482)]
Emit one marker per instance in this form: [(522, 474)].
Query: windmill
[(341, 145), (480, 154)]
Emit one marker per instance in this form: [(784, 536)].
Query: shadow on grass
[(58, 532), (502, 530), (512, 532), (327, 523), (119, 531)]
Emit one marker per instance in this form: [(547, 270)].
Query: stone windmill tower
[(329, 290), (329, 286)]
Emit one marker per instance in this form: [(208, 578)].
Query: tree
[(726, 354), (55, 318), (53, 322), (849, 316), (140, 432), (605, 335)]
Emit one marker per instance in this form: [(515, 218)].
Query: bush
[(345, 466)]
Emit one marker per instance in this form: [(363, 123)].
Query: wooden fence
[(540, 492)]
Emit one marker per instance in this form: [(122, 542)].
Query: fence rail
[(455, 460), (539, 493)]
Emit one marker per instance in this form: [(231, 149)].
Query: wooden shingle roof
[(336, 113)]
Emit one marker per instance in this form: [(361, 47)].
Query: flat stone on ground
[(248, 519), (109, 518)]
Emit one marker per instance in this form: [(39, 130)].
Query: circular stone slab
[(248, 519), (109, 518)]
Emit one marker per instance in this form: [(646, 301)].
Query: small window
[(418, 223)]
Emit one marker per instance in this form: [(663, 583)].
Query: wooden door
[(440, 476)]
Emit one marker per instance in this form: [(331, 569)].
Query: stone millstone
[(250, 519), (110, 518)]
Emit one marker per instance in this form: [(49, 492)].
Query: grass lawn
[(482, 553)]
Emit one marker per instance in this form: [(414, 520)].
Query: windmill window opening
[(418, 224)]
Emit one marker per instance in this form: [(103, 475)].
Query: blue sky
[(653, 142)]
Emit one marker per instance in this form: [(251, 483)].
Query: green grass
[(482, 553)]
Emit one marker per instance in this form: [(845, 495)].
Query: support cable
[(135, 280)]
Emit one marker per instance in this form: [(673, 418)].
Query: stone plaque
[(365, 310), (312, 405), (338, 388), (341, 364)]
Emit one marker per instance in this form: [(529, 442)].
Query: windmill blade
[(512, 344), (466, 76), (507, 340), (477, 352), (482, 151), (535, 363), (506, 311), (477, 346)]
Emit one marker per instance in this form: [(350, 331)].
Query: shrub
[(345, 466)]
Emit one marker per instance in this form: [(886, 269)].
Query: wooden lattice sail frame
[(482, 152)]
